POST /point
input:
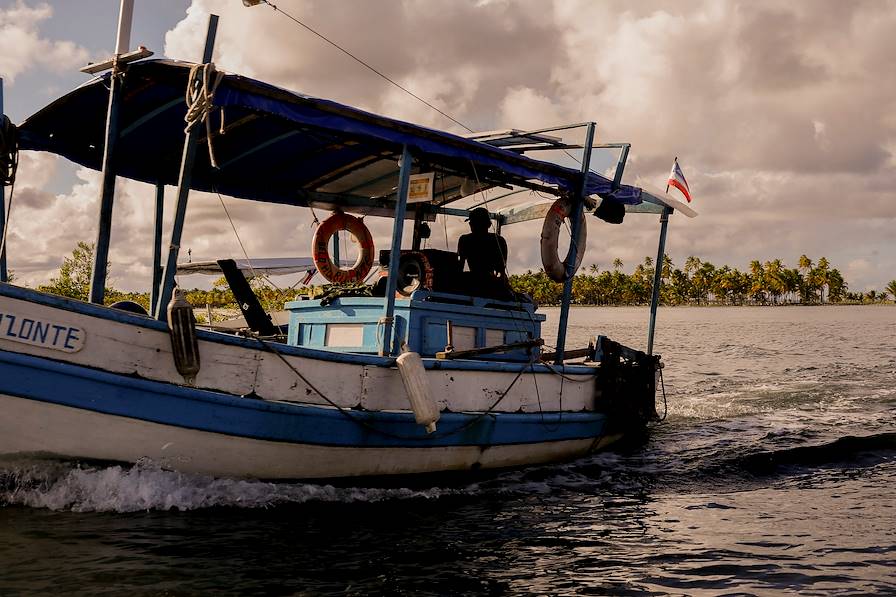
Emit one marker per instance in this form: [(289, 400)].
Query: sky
[(782, 116)]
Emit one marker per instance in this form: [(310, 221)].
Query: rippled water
[(774, 472)]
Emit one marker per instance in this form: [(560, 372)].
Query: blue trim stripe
[(53, 382)]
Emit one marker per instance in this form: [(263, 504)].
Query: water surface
[(774, 472)]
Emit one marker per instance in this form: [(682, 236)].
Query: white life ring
[(550, 238)]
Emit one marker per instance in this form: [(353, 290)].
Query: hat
[(479, 216)]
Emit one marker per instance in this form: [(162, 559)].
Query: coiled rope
[(201, 87)]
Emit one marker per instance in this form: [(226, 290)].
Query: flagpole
[(673, 166)]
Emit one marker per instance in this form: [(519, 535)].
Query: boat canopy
[(279, 146)]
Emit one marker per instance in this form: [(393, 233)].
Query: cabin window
[(464, 337), (494, 337), (344, 334)]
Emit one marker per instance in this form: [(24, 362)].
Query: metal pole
[(657, 277), (401, 204), (575, 223), (620, 165), (4, 274), (107, 192), (125, 18), (157, 245), (183, 191)]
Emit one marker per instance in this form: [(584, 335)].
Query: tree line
[(697, 282), (700, 282)]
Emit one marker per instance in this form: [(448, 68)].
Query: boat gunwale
[(144, 321)]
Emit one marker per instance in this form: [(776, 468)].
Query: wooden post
[(183, 191)]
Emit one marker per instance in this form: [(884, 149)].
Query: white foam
[(144, 486)]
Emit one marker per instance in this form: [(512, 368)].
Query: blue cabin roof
[(280, 146)]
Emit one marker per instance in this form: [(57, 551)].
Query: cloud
[(22, 47), (782, 115)]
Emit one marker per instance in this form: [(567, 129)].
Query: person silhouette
[(485, 254)]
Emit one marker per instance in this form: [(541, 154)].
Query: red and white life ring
[(320, 249), (550, 238)]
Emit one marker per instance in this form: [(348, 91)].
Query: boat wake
[(65, 486), (62, 485)]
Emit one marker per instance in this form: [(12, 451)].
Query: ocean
[(774, 472)]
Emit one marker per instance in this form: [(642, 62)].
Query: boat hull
[(31, 427), (105, 388)]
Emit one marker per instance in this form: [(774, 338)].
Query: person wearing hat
[(485, 254)]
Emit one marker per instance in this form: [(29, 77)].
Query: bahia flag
[(677, 180)]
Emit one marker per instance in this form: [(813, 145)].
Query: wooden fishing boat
[(423, 373)]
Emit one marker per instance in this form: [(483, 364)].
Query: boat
[(419, 372)]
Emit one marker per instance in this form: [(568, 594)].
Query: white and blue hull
[(94, 383)]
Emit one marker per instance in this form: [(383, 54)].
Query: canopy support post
[(571, 258), (4, 274), (620, 165), (401, 205), (183, 191), (157, 245), (657, 277), (107, 192)]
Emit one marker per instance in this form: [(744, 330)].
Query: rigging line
[(366, 65), (240, 241)]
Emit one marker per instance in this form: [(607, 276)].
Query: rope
[(203, 82), (364, 424)]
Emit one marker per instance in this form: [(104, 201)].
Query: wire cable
[(366, 65)]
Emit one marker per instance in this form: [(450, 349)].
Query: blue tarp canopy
[(280, 146)]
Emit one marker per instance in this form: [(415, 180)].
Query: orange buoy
[(320, 249)]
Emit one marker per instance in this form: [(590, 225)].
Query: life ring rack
[(320, 249), (550, 239)]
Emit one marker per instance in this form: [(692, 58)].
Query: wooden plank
[(465, 354)]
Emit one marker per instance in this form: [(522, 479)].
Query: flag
[(677, 180)]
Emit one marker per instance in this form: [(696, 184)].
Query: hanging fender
[(320, 249), (550, 237)]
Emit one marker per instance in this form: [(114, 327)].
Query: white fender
[(550, 239), (426, 413)]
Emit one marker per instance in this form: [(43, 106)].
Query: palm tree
[(891, 288), (617, 263), (836, 286)]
